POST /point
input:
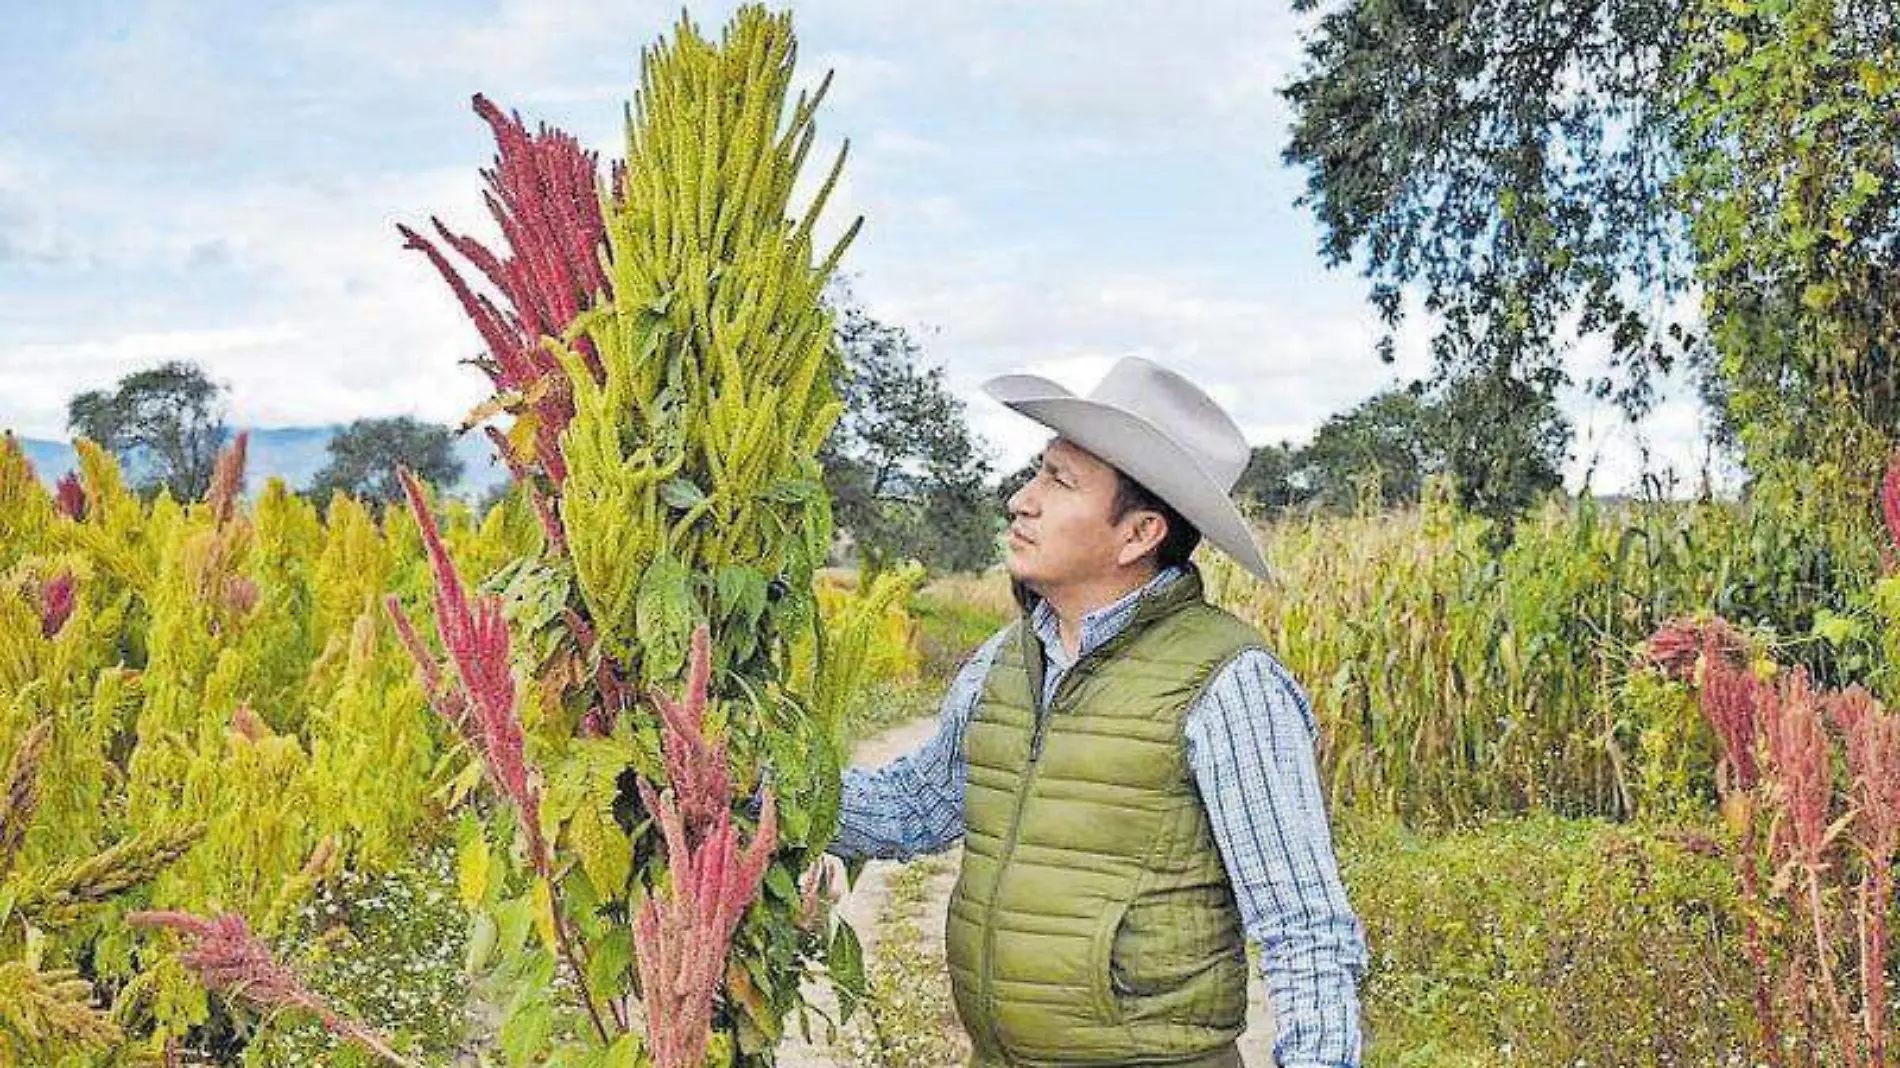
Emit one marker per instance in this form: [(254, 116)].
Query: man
[(1130, 770)]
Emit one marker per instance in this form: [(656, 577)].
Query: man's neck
[(1071, 603)]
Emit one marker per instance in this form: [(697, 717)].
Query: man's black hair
[(1182, 536)]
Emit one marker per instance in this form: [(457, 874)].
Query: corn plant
[(1452, 682)]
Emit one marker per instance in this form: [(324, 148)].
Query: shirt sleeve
[(914, 804), (1250, 745)]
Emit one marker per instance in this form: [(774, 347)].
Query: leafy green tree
[(1504, 443), (1790, 118), (364, 457), (1508, 161), (1530, 171), (1273, 479), (1384, 446), (165, 423), (905, 474), (1500, 438)]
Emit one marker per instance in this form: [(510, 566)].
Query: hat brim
[(1136, 447)]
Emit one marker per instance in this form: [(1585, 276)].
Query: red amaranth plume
[(227, 479), (1677, 644), (1873, 756), (1890, 500), (226, 956), (543, 193), (1804, 783), (448, 703), (683, 940), (696, 769), (56, 604), (476, 638), (1729, 701), (1797, 749), (71, 497)]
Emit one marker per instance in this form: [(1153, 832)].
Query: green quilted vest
[(1092, 922)]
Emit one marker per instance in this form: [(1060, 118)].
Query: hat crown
[(1179, 409)]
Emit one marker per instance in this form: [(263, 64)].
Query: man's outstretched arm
[(1250, 742), (914, 804)]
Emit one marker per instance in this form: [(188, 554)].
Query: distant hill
[(295, 454)]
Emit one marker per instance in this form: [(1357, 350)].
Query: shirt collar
[(1099, 625)]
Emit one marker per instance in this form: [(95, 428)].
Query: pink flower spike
[(227, 479), (683, 938), (71, 497), (1890, 499), (543, 192), (697, 769), (227, 957), (476, 638), (56, 604)]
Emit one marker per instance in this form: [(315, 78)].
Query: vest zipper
[(1036, 737)]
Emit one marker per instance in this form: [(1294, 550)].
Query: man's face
[(1064, 513)]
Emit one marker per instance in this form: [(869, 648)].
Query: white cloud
[(294, 287)]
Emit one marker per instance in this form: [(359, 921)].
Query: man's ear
[(1149, 531)]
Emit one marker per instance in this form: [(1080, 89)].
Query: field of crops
[(210, 709), (290, 781)]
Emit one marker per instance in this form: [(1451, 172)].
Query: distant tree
[(1387, 441), (364, 457), (1504, 443), (1502, 440), (1272, 479), (905, 475), (165, 424)]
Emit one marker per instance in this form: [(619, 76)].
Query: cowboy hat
[(1160, 430)]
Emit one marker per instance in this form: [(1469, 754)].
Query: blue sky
[(1046, 188)]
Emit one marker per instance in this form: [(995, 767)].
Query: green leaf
[(780, 882), (682, 494), (606, 855), (483, 934), (609, 958), (791, 490), (525, 1031), (624, 1053), (514, 917), (664, 617), (741, 593), (846, 963), (472, 865)]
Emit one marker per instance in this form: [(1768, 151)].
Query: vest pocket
[(1101, 963)]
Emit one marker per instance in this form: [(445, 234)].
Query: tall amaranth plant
[(670, 367)]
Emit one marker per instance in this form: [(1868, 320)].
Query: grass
[(909, 1019)]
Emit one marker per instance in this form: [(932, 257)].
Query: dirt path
[(866, 901)]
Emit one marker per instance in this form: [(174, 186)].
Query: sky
[(1046, 188)]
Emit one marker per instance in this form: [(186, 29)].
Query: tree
[(1500, 438), (1530, 170), (166, 424), (364, 457), (1273, 477), (1386, 444), (906, 477), (1504, 443)]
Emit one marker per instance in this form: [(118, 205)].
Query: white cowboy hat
[(1160, 430)]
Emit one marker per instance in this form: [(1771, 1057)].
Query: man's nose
[(1019, 501)]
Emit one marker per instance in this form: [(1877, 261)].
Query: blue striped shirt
[(1250, 745)]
